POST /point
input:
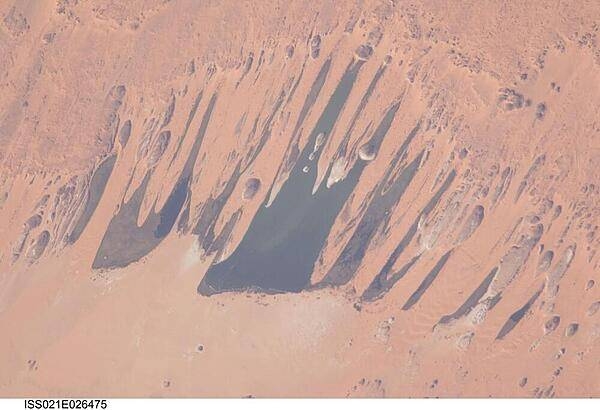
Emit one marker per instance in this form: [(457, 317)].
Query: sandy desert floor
[(359, 198)]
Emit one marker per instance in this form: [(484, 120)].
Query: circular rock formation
[(364, 52), (593, 309), (552, 324), (571, 329), (367, 152), (590, 284)]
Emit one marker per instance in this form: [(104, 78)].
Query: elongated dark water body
[(212, 208), (363, 103), (516, 317), (124, 241), (97, 186), (284, 240), (426, 283), (386, 278), (472, 300), (375, 216)]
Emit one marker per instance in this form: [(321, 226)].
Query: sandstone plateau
[(358, 198)]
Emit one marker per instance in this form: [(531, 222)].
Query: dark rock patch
[(593, 308), (540, 111), (252, 186), (32, 222), (545, 261), (36, 251), (315, 46), (125, 133), (510, 99), (159, 147)]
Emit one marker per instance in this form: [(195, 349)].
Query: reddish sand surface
[(480, 279)]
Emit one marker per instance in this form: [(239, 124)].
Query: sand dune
[(348, 199)]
